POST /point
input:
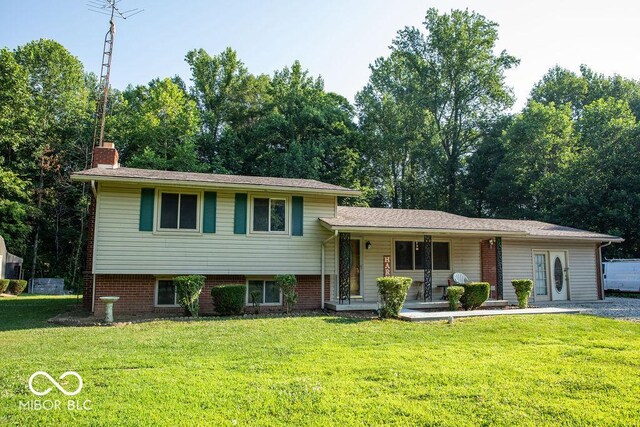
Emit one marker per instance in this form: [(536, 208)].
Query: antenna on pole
[(109, 8)]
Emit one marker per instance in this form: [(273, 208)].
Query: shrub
[(189, 289), (256, 299), (287, 284), (4, 284), (17, 286), (523, 289), (393, 292), (454, 293), (228, 299), (475, 294)]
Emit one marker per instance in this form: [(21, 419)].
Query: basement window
[(166, 293), (263, 292)]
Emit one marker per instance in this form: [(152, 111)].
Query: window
[(541, 273), (166, 293), (269, 215), (263, 292), (441, 256), (178, 211), (410, 255)]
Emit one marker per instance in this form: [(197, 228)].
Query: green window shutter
[(209, 220), (147, 196), (297, 214), (240, 214)]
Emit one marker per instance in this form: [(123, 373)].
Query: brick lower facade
[(489, 271), (137, 293)]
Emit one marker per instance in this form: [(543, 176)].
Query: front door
[(559, 285), (355, 268)]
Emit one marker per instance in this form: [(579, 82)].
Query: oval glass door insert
[(558, 276)]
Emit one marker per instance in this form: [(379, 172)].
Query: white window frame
[(413, 256), (198, 195), (263, 280), (155, 293), (287, 215)]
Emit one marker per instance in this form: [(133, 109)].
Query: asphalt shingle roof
[(414, 219), (141, 175)]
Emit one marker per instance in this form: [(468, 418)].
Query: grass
[(521, 370)]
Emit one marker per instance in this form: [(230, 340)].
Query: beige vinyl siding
[(465, 258), (121, 248), (517, 262)]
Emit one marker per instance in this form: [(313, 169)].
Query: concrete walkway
[(424, 316)]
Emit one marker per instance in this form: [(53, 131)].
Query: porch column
[(428, 282), (499, 284), (344, 277)]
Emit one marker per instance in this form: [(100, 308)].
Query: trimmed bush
[(475, 294), (4, 284), (17, 286), (393, 293), (287, 284), (454, 293), (189, 289), (523, 289), (228, 300)]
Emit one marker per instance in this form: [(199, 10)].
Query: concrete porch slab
[(421, 316), (412, 304)]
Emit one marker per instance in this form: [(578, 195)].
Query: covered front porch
[(429, 259)]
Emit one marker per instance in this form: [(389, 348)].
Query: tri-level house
[(148, 226)]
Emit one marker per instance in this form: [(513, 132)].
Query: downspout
[(322, 267), (600, 246), (93, 275)]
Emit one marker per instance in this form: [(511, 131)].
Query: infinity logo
[(55, 383)]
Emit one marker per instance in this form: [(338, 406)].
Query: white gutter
[(93, 188), (205, 184), (322, 268)]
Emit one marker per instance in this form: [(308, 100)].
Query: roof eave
[(522, 234), (419, 230), (184, 183)]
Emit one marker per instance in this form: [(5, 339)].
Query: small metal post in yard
[(108, 307), (451, 320)]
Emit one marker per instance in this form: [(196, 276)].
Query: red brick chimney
[(105, 156)]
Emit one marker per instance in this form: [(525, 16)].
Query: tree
[(539, 143), (58, 105), (461, 82), (157, 126)]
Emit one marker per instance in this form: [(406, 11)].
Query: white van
[(621, 274)]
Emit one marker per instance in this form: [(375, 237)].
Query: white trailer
[(621, 275)]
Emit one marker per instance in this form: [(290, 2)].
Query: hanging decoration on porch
[(428, 283), (344, 280), (499, 279)]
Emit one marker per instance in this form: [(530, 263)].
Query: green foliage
[(475, 294), (4, 285), (228, 300), (269, 356), (393, 293), (189, 289), (454, 293), (17, 286), (287, 284), (523, 289)]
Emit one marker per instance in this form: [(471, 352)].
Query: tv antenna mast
[(109, 8)]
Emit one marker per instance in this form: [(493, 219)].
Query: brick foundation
[(489, 269), (137, 293)]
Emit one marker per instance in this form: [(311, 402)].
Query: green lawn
[(521, 370)]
